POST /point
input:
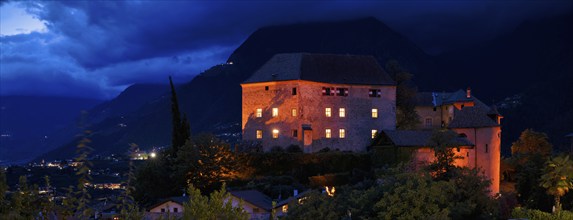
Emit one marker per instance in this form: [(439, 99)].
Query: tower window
[(275, 112), (486, 148), (326, 91), (341, 133), (374, 113), (294, 133), (342, 112), (293, 112), (259, 134), (328, 133), (259, 113), (374, 132), (341, 91), (328, 112), (266, 88), (275, 133), (293, 91)]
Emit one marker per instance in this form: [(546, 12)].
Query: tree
[(3, 190), (406, 115), (129, 209), (206, 162), (216, 206), (531, 142), (558, 178), (180, 128), (441, 140)]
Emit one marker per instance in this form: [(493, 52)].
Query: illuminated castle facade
[(318, 101)]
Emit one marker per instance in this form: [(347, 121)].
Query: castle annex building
[(317, 101)]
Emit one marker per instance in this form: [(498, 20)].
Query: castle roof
[(442, 98), (420, 138), (327, 68), (472, 117)]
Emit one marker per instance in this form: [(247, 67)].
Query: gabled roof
[(254, 197), (472, 117), (420, 138), (327, 68), (176, 199)]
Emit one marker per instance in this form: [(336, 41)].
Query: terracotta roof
[(287, 201), (472, 117), (254, 197), (493, 110), (420, 138), (327, 68)]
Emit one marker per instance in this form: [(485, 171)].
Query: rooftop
[(327, 68), (420, 138), (254, 197)]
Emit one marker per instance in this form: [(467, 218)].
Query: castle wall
[(311, 104), (487, 152)]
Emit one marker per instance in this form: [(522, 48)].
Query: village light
[(152, 155)]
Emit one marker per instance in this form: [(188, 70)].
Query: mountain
[(529, 72), (212, 100), (28, 123)]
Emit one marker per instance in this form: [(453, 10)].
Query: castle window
[(342, 112), (259, 113), (486, 148), (428, 122), (374, 93), (374, 113), (266, 88), (341, 91), (275, 133), (341, 133), (374, 132), (293, 91), (293, 112), (259, 134), (326, 91), (275, 112), (294, 133), (328, 133), (434, 108), (328, 112)]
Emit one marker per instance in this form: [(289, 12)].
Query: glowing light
[(152, 155), (275, 133), (330, 191)]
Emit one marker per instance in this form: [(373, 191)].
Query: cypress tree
[(180, 129)]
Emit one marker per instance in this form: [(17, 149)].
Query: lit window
[(294, 133), (293, 112), (342, 112), (328, 112), (285, 208), (342, 133), (275, 133), (259, 112), (259, 134), (374, 113), (374, 132), (328, 133), (275, 112), (428, 122)]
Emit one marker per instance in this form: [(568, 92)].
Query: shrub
[(293, 149), (534, 214), (277, 149)]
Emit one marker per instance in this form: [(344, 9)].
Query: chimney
[(468, 92), (295, 192)]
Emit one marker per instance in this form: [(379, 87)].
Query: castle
[(343, 102)]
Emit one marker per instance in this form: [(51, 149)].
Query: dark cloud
[(103, 46)]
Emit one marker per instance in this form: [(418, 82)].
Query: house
[(172, 207), (318, 101), (257, 204), (281, 207)]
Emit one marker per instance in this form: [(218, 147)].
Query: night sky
[(96, 49)]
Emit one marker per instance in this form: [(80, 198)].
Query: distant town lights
[(152, 155)]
